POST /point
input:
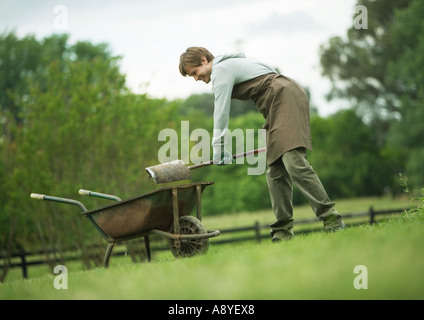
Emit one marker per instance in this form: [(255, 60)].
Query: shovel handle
[(235, 156), (90, 193)]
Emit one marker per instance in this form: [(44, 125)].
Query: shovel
[(176, 170)]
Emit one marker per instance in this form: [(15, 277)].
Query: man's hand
[(223, 158)]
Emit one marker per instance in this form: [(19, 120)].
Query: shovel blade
[(169, 172)]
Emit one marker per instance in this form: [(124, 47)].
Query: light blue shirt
[(227, 71)]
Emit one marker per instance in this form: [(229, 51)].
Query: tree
[(379, 71), (405, 73), (77, 126), (24, 61), (345, 153), (205, 103), (357, 65)]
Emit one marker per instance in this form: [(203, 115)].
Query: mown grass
[(234, 220), (344, 206), (313, 266)]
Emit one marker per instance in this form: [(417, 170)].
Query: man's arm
[(223, 86)]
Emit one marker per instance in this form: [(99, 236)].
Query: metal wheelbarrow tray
[(165, 212)]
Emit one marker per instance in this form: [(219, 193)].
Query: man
[(285, 107)]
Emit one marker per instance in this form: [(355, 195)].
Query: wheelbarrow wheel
[(190, 225)]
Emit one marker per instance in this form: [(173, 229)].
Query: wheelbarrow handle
[(37, 196), (57, 199)]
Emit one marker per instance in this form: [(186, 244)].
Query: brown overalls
[(285, 107)]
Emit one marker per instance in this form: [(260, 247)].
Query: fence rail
[(24, 263), (256, 228)]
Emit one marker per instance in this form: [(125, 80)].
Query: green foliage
[(404, 73), (77, 126), (357, 65), (419, 199), (345, 153), (379, 71), (204, 103)]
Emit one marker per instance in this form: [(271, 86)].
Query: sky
[(150, 35)]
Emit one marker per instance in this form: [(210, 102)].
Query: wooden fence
[(22, 259), (257, 228)]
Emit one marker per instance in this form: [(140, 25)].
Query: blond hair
[(193, 57)]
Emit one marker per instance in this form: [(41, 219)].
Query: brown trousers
[(293, 167)]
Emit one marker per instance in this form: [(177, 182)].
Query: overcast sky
[(151, 35)]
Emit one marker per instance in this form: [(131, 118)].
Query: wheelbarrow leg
[(107, 254), (199, 201), (176, 214), (147, 245)]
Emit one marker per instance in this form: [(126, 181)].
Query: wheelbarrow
[(165, 212)]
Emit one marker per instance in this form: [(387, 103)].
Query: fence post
[(372, 215), (257, 231), (23, 262)]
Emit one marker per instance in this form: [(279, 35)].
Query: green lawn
[(313, 266), (344, 206)]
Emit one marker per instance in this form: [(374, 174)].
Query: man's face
[(202, 72)]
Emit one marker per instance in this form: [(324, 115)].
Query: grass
[(344, 206), (242, 219), (313, 266)]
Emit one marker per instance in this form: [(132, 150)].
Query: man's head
[(196, 62)]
